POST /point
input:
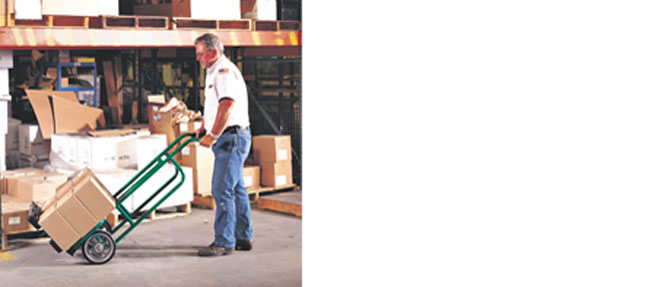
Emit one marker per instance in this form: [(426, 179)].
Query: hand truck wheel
[(99, 248)]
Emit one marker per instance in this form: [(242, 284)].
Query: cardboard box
[(94, 196), (162, 123), (276, 174), (14, 214), (102, 151), (37, 189), (197, 157), (9, 179), (13, 158), (76, 214), (251, 176), (60, 112), (148, 147), (114, 180), (202, 181), (183, 195), (59, 229), (259, 9), (81, 7), (12, 137), (197, 9), (30, 141), (271, 148)]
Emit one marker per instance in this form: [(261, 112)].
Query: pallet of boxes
[(273, 154), (19, 188)]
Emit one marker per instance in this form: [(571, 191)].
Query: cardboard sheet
[(61, 112)]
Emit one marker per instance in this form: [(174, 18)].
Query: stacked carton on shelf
[(273, 153)]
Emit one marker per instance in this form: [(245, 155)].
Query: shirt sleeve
[(225, 82)]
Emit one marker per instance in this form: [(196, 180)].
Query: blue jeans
[(233, 219)]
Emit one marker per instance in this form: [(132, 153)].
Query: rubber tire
[(111, 244)]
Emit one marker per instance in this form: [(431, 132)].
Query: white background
[(475, 143)]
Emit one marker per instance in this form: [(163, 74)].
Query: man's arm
[(224, 111)]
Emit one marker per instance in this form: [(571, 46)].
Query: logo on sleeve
[(223, 71), (210, 86)]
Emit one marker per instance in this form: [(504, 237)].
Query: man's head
[(208, 49)]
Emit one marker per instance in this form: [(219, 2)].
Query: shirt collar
[(213, 66)]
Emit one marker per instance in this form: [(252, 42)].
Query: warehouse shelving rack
[(282, 39)]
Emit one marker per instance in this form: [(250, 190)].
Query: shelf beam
[(16, 38)]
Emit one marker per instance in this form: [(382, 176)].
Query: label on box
[(186, 151), (282, 154), (14, 220), (155, 108), (280, 180), (184, 127), (247, 180)]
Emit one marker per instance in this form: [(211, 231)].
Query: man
[(226, 123)]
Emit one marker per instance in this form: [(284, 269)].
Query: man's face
[(205, 57)]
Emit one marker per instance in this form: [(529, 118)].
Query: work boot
[(214, 250), (243, 244)]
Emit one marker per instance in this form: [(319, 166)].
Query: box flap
[(61, 112)]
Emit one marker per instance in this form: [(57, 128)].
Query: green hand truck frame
[(98, 245)]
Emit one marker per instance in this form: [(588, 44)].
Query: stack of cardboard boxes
[(273, 154), (19, 188), (77, 207), (31, 146), (12, 150), (31, 184)]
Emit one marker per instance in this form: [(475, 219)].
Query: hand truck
[(98, 245)]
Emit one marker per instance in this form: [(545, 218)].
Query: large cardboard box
[(94, 196), (276, 174), (6, 176), (114, 180), (271, 148), (251, 176), (14, 214), (101, 151), (36, 189), (30, 141), (81, 7), (202, 181), (79, 217), (259, 9), (148, 147), (12, 137), (162, 123), (59, 229), (183, 195), (197, 157), (197, 9)]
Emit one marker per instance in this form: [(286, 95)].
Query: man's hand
[(207, 141)]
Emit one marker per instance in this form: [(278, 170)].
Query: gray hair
[(211, 42)]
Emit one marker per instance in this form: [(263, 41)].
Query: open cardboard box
[(61, 112)]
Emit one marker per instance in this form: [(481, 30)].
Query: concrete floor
[(164, 253)]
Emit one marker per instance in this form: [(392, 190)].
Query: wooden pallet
[(264, 25), (207, 201), (5, 234), (190, 23), (160, 213), (287, 202)]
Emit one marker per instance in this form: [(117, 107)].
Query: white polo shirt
[(224, 80)]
